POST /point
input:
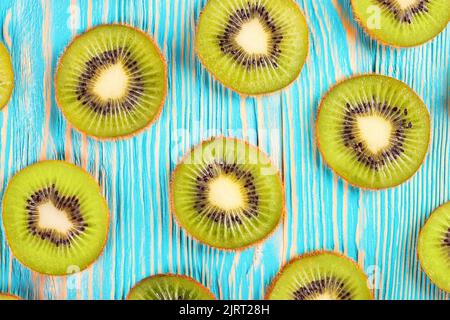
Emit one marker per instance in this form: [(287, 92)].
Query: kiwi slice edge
[(430, 256), (390, 42), (379, 77), (6, 68), (252, 147), (57, 271), (203, 291), (369, 295), (8, 296), (157, 114), (245, 92)]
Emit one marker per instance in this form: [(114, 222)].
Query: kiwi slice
[(55, 218), (6, 296), (111, 81), (402, 23), (6, 76), (434, 247), (169, 287), (253, 46), (373, 131), (320, 276), (227, 194)]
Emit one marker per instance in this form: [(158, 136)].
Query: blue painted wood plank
[(378, 229)]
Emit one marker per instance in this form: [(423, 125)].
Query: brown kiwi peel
[(107, 226), (172, 206), (157, 114), (243, 95), (8, 99), (202, 287), (418, 252), (307, 255), (12, 296), (383, 42), (316, 136)]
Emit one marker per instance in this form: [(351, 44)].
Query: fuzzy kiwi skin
[(307, 255), (244, 95), (201, 286), (420, 257), (103, 199), (390, 44), (12, 70), (158, 113), (318, 141), (172, 204)]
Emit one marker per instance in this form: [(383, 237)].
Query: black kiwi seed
[(99, 62), (235, 22), (446, 241), (406, 15), (70, 205), (202, 206), (319, 286), (395, 116)]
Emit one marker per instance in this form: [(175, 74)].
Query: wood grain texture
[(378, 229)]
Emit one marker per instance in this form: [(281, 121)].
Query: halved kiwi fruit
[(402, 23), (253, 46), (6, 76), (55, 218), (227, 194), (169, 287), (6, 296), (320, 276), (111, 81), (373, 131), (434, 247)]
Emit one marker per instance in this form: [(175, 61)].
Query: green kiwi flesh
[(6, 76), (111, 82), (373, 131), (254, 46), (227, 194), (402, 23), (320, 276), (434, 247), (55, 218), (169, 287), (4, 296)]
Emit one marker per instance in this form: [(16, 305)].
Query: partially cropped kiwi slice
[(169, 287), (402, 23), (55, 218), (111, 81), (6, 76), (320, 276), (253, 46), (373, 131), (434, 247), (227, 194), (6, 296)]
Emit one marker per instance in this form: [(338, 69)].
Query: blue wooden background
[(378, 229)]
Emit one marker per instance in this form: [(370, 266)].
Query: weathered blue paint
[(379, 229)]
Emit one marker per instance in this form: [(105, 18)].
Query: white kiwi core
[(52, 218), (225, 193), (326, 295), (111, 83), (253, 38), (405, 4), (375, 131)]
